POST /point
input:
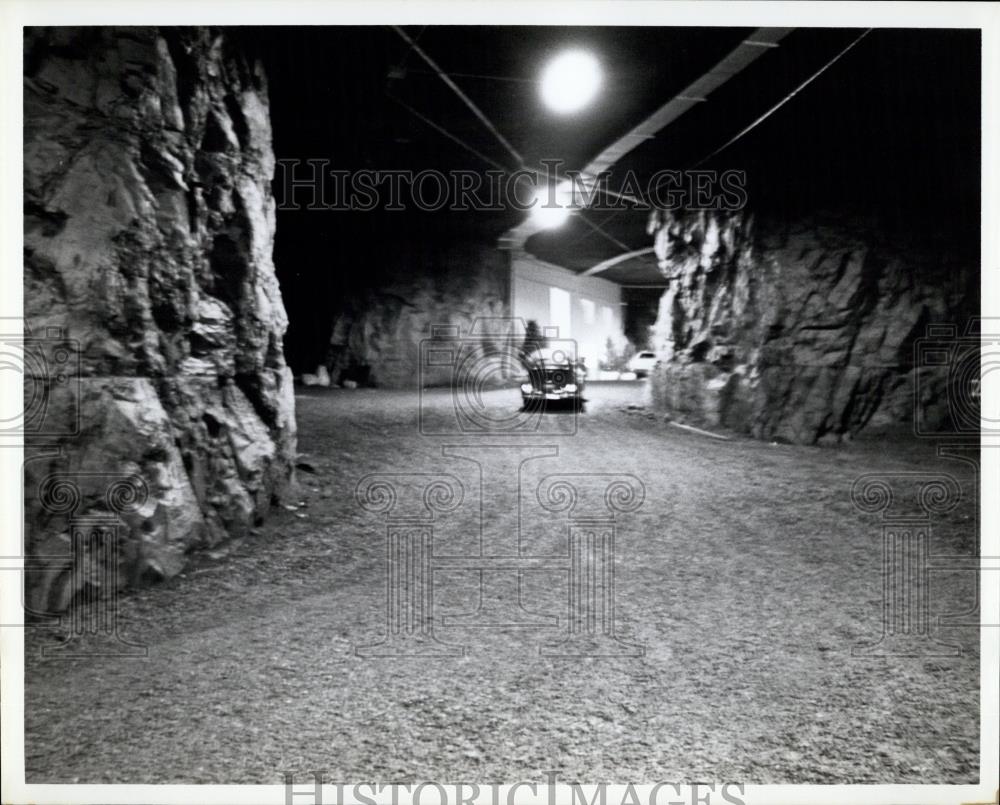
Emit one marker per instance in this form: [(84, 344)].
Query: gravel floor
[(747, 575)]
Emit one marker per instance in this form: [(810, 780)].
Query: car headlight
[(569, 387), (526, 388)]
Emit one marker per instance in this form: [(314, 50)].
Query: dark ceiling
[(643, 67), (891, 131)]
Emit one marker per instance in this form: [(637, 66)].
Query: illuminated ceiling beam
[(611, 262), (737, 60)]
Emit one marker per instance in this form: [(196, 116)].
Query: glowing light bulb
[(570, 81), (551, 207)]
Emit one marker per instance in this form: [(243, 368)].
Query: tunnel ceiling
[(884, 129)]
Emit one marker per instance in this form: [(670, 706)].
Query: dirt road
[(746, 577)]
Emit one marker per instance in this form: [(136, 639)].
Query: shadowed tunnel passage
[(298, 496)]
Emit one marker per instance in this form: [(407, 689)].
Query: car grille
[(551, 378)]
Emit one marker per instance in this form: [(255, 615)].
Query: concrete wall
[(594, 314)]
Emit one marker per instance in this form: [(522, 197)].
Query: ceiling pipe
[(457, 90)]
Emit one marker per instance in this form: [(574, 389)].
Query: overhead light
[(570, 81), (552, 206)]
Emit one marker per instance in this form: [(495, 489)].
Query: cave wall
[(377, 332), (804, 331), (149, 223)]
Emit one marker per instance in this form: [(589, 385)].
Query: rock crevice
[(801, 332), (149, 226)]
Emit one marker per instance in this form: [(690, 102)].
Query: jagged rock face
[(377, 335), (801, 332), (149, 224)]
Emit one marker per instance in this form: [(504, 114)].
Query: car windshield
[(551, 356)]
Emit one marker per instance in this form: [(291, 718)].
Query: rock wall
[(377, 333), (803, 332), (148, 229)]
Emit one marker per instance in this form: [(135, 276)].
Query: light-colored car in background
[(642, 363)]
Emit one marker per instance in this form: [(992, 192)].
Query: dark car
[(554, 376)]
